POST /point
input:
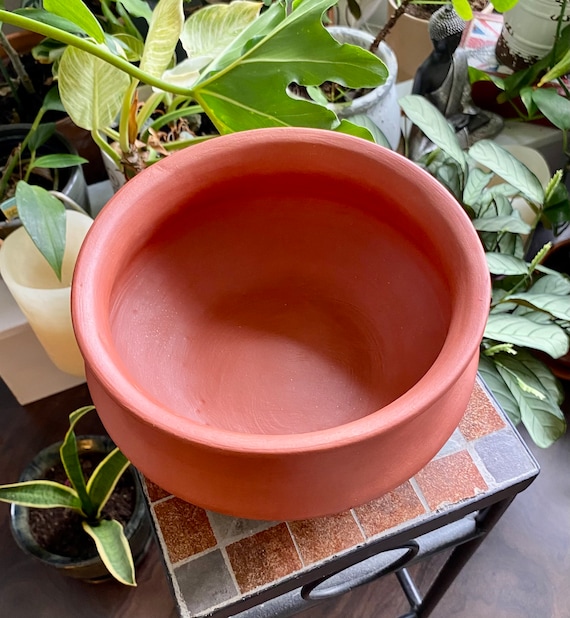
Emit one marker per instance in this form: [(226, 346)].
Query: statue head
[(446, 28)]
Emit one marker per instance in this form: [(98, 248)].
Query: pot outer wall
[(145, 346), (75, 187), (380, 105), (528, 33), (138, 530)]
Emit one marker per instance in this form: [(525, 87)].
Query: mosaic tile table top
[(216, 563)]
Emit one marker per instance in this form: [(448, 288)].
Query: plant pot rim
[(470, 304), (24, 538)]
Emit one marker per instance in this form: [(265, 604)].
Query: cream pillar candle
[(43, 299)]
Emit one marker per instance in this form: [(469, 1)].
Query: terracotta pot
[(287, 335), (137, 530)]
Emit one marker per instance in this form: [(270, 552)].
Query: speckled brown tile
[(450, 479), (392, 509), (322, 537), (480, 418), (154, 491), (185, 528), (263, 558)]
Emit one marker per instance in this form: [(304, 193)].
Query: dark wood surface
[(521, 571)]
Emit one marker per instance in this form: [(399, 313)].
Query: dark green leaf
[(56, 161), (40, 494), (523, 332), (43, 216), (44, 17), (554, 106), (105, 478), (113, 548), (41, 135)]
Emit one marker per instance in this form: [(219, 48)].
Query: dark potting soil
[(59, 531)]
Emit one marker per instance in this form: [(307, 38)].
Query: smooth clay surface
[(278, 315)]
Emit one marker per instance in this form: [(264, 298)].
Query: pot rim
[(470, 308)]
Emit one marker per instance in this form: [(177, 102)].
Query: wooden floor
[(522, 570)]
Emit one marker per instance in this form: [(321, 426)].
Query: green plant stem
[(149, 106), (11, 165), (16, 63), (124, 138), (106, 147), (88, 46), (175, 115)]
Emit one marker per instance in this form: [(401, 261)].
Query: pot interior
[(279, 306)]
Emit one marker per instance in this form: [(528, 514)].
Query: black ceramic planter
[(72, 179), (138, 529)]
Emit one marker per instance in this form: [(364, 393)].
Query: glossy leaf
[(40, 494), (541, 416), (43, 216), (273, 52), (554, 106), (499, 388), (163, 34), (508, 167), (364, 121), (208, 31), (78, 13), (523, 332), (113, 548), (500, 264), (510, 223), (105, 478), (58, 161), (554, 304), (432, 122), (91, 89)]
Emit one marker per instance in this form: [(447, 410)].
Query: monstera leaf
[(245, 87)]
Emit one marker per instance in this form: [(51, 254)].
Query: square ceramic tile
[(324, 537), (450, 479), (185, 528), (263, 558)]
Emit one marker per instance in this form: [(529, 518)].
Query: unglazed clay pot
[(281, 323)]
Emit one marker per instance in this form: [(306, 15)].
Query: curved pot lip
[(95, 341)]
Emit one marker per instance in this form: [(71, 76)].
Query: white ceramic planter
[(43, 299), (528, 32), (380, 105)]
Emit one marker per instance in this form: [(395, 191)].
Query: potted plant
[(530, 307), (222, 54), (86, 528)]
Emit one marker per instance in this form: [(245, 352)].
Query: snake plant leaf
[(209, 31), (554, 106), (539, 410), (105, 478), (40, 494), (433, 123), (509, 223), (70, 460), (519, 330), (43, 217), (245, 87), (508, 167), (554, 304), (499, 388), (162, 37), (78, 13), (113, 548), (501, 264), (91, 89)]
